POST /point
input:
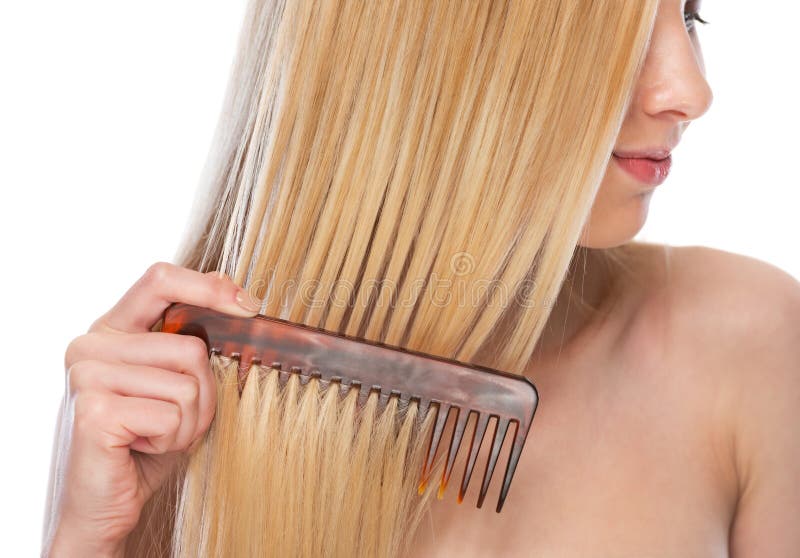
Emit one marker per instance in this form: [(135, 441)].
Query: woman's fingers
[(184, 354), (164, 283), (147, 402), (129, 388), (106, 421)]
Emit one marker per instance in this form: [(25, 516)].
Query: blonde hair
[(368, 154)]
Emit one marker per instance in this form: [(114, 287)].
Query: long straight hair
[(410, 172)]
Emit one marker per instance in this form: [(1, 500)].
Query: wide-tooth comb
[(393, 371)]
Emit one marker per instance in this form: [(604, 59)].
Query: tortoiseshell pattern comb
[(393, 371)]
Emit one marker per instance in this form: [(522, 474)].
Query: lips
[(650, 167)]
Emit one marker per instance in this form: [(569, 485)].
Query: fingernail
[(247, 301)]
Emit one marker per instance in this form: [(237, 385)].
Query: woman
[(672, 426), (669, 387)]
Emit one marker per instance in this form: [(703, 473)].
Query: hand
[(135, 401)]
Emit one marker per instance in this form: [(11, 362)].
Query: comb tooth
[(511, 467), (383, 398), (441, 417), (422, 407), (499, 435), (480, 431), (455, 443), (363, 394)]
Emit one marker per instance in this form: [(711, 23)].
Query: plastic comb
[(393, 371)]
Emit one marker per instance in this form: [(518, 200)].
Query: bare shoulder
[(722, 320), (752, 286), (725, 304), (743, 313), (743, 304), (729, 327)]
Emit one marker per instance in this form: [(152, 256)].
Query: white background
[(106, 114)]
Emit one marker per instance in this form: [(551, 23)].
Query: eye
[(691, 14)]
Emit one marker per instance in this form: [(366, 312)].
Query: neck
[(585, 297), (584, 301)]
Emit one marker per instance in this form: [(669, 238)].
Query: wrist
[(68, 543)]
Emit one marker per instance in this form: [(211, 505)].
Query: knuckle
[(73, 352), (195, 350), (194, 345), (80, 348), (91, 409), (189, 389), (158, 273), (172, 419), (79, 375), (99, 324)]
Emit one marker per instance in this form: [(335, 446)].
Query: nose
[(673, 82)]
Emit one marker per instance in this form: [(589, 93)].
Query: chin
[(616, 226)]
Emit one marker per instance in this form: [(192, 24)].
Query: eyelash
[(690, 17)]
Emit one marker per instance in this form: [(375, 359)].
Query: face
[(671, 92)]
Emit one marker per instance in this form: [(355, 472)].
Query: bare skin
[(669, 418), (632, 450)]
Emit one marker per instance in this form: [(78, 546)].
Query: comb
[(449, 385)]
